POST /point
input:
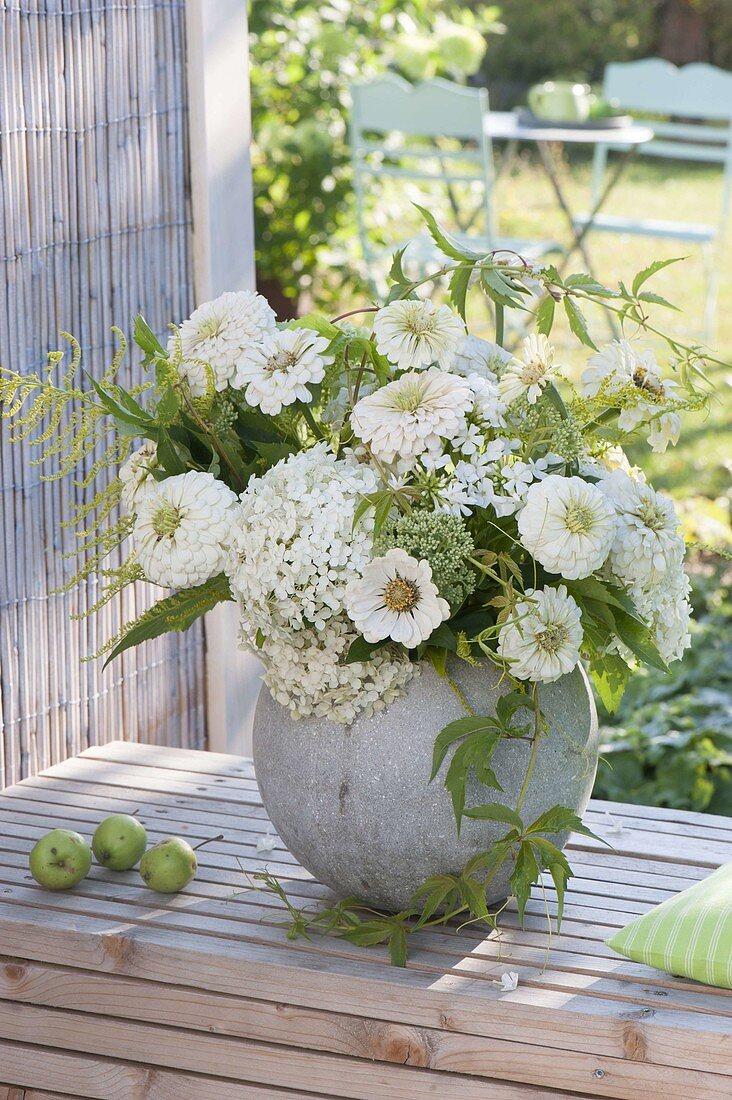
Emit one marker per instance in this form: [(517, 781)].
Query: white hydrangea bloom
[(277, 370), (292, 550), (528, 373), (136, 477), (412, 414), (395, 597), (647, 541), (568, 525), (542, 638), (477, 356), (415, 333), (181, 528), (309, 675), (218, 333)]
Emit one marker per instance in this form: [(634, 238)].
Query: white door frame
[(223, 259)]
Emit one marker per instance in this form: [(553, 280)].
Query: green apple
[(169, 865), (119, 841), (60, 859)]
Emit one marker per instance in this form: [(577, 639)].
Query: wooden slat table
[(110, 991)]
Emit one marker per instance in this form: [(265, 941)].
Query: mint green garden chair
[(694, 105), (429, 136)]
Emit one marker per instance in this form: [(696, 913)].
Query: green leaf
[(175, 612), (361, 650), (318, 323), (454, 731), (396, 271), (525, 873), (545, 315), (273, 452), (442, 636), (147, 341), (610, 675), (560, 819), (590, 285), (657, 300), (577, 323), (494, 811), (459, 283), (473, 894), (168, 456), (593, 589), (497, 287), (506, 708), (121, 405), (398, 946), (647, 272), (446, 244), (637, 637)]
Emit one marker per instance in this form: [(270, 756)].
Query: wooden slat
[(99, 1078)]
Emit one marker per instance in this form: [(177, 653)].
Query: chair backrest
[(396, 129), (700, 95), (691, 109)]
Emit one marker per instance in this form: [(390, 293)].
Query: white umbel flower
[(648, 541), (568, 525), (181, 528), (528, 372), (542, 639), (218, 333), (136, 477), (278, 370), (395, 597), (413, 334), (412, 414)]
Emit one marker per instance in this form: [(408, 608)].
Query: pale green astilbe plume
[(66, 422)]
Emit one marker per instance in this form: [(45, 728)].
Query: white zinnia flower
[(568, 525), (647, 540), (412, 414), (137, 480), (395, 597), (181, 527), (528, 372), (218, 333), (414, 333), (478, 356), (277, 371), (541, 641)]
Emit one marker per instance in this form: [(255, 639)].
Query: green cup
[(561, 101)]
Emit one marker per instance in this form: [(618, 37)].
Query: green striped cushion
[(689, 935)]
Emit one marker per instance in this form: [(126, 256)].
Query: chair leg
[(712, 256)]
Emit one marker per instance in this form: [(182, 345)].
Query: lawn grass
[(702, 461)]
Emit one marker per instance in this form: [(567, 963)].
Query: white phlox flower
[(136, 476), (489, 407), (568, 525), (395, 597), (528, 373), (181, 529), (218, 333), (415, 333), (542, 638), (412, 414), (278, 370)]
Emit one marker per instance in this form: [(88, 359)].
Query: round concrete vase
[(355, 806)]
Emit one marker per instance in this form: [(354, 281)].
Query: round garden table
[(509, 126)]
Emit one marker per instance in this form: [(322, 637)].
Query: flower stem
[(533, 754), (500, 324)]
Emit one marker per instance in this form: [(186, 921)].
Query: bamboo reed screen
[(95, 226)]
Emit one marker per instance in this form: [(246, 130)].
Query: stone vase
[(354, 803)]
